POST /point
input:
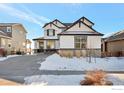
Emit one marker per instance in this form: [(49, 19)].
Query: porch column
[(45, 45)]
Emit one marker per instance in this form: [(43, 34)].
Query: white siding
[(67, 42), (87, 22), (36, 45), (82, 28), (57, 44), (94, 42), (57, 30), (58, 24)]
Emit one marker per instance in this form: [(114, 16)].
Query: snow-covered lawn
[(55, 62), (117, 79), (5, 58)]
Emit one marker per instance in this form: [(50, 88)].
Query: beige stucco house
[(113, 45), (13, 37), (71, 38), (28, 46)]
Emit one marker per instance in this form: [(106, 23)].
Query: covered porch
[(38, 45), (51, 45), (45, 45)]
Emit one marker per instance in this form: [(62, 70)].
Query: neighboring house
[(5, 41), (71, 37), (114, 44), (28, 46), (13, 37)]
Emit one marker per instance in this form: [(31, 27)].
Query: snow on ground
[(55, 62), (117, 79), (5, 58), (54, 79)]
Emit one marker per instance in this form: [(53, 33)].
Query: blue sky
[(108, 18)]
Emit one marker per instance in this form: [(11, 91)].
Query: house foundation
[(79, 52)]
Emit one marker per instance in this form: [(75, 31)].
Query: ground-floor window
[(80, 42)]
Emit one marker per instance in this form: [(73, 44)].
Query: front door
[(50, 44)]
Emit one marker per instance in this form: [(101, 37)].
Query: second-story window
[(8, 29), (50, 32)]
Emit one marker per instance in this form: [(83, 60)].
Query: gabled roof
[(53, 23), (50, 23), (79, 20), (69, 25), (117, 36), (86, 19), (95, 32), (58, 21)]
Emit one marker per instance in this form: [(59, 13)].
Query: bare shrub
[(96, 77)]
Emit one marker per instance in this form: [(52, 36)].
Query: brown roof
[(117, 36)]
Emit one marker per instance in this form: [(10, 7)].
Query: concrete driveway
[(17, 68)]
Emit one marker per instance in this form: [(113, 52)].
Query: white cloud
[(41, 18), (28, 16)]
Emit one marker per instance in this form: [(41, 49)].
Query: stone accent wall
[(79, 53)]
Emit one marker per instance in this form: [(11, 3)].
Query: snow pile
[(67, 79), (5, 58), (117, 79), (54, 79), (55, 62)]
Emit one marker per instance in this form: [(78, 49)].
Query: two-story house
[(13, 37), (71, 38)]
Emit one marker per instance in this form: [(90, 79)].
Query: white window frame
[(51, 32), (82, 40)]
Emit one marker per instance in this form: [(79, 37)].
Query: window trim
[(53, 32), (80, 42)]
